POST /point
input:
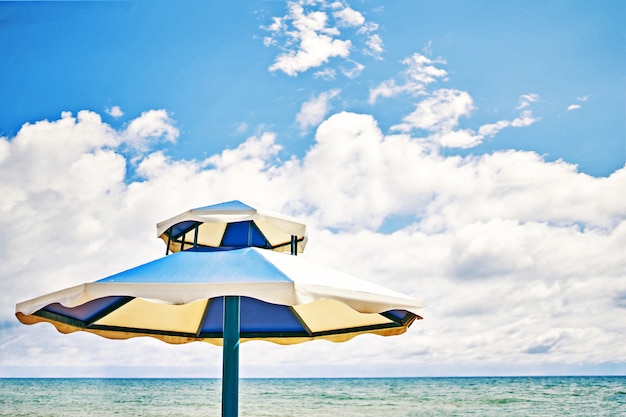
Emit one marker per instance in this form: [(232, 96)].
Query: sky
[(471, 154)]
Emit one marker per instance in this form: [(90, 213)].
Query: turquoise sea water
[(484, 397)]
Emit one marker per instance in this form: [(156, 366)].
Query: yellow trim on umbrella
[(177, 340)]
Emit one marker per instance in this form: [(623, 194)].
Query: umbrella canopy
[(219, 287), (179, 298), (232, 225)]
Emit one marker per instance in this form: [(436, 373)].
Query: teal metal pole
[(230, 364), (294, 245)]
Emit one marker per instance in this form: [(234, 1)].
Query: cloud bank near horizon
[(519, 259), (505, 247)]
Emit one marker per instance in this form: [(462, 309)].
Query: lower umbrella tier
[(121, 317)]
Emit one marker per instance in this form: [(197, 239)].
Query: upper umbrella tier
[(232, 225)]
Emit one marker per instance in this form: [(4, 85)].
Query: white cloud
[(258, 149), (525, 118), (526, 100), (276, 26), (313, 111), (387, 88), (368, 27), (326, 74), (428, 48), (314, 39), (375, 45), (577, 106), (241, 128), (353, 71), (463, 138), (495, 239), (440, 112), (309, 35), (151, 125), (492, 129), (421, 72), (349, 17), (115, 111), (520, 260), (45, 151), (5, 149), (269, 41), (314, 50)]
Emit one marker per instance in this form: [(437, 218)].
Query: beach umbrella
[(232, 225), (225, 297)]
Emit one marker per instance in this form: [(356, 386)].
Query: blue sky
[(486, 140), (205, 63)]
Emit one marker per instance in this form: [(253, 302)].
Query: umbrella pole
[(230, 365), (294, 245)]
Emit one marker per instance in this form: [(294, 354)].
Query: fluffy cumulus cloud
[(441, 111), (526, 100), (421, 71), (438, 112), (66, 179), (347, 16), (310, 35), (115, 111), (152, 125), (520, 260), (439, 115), (313, 111), (375, 45)]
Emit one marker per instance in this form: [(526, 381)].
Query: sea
[(336, 397)]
